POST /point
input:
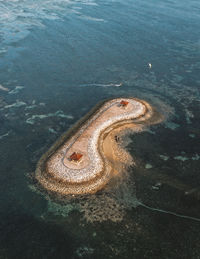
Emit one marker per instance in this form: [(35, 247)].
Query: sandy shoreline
[(95, 140)]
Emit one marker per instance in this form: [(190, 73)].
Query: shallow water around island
[(58, 59)]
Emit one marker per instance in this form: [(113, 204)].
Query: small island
[(85, 158)]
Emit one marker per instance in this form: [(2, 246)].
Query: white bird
[(150, 65)]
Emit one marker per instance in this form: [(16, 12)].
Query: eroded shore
[(95, 139)]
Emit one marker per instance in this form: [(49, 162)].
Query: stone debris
[(163, 157), (181, 158), (148, 166)]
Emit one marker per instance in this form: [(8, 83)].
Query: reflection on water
[(57, 60)]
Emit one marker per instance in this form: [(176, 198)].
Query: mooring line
[(168, 212)]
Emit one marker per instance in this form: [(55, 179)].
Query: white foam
[(4, 88), (5, 135), (90, 18), (17, 104), (18, 16), (16, 90), (33, 118)]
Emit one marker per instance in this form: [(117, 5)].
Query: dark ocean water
[(58, 59)]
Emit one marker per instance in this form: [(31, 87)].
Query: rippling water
[(57, 60)]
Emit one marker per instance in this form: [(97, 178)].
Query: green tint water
[(68, 57)]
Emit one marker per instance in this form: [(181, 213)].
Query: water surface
[(58, 59)]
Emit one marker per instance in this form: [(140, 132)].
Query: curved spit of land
[(79, 165)]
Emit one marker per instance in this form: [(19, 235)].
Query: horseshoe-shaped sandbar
[(76, 163)]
